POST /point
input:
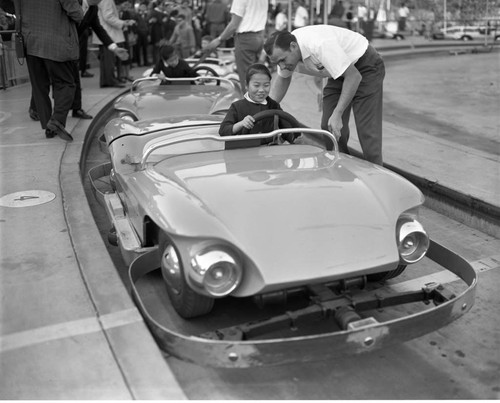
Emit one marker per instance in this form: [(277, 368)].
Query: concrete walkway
[(68, 328)]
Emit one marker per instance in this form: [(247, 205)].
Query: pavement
[(68, 327)]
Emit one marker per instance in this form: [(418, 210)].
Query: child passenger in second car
[(172, 66), (256, 99)]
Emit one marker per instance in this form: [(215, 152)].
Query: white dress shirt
[(327, 50)]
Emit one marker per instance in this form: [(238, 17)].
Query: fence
[(13, 71)]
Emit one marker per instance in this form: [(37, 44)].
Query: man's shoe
[(57, 128), (49, 133), (87, 74), (34, 115), (81, 114)]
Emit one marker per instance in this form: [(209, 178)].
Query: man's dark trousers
[(63, 87)]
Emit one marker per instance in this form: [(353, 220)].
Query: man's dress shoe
[(34, 115), (57, 128), (81, 114)]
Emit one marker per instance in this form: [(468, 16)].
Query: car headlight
[(126, 116), (216, 270), (412, 240)]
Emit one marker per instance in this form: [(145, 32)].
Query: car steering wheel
[(284, 116), (205, 71)]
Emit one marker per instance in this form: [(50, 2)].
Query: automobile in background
[(466, 33)]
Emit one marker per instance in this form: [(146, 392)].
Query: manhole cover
[(26, 198)]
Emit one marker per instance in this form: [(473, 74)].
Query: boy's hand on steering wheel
[(248, 122)]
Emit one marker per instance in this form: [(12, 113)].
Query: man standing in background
[(51, 40), (91, 20), (248, 23), (403, 13), (301, 16), (215, 17), (111, 22)]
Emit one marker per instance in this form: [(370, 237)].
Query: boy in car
[(172, 66), (255, 100)]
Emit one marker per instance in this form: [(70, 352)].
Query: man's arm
[(92, 18), (228, 32), (352, 78), (73, 10), (280, 88)]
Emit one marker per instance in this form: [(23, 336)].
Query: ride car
[(151, 97), (248, 221), (221, 66), (226, 218)]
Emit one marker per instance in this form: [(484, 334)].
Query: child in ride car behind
[(171, 65), (256, 99)]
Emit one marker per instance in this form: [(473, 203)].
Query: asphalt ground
[(68, 329)]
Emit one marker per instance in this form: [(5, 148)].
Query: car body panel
[(154, 101), (329, 345), (298, 213)]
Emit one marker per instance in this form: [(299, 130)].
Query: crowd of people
[(163, 33)]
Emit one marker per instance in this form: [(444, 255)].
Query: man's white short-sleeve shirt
[(327, 50), (253, 13)]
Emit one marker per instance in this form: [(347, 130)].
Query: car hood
[(300, 217), (173, 100)]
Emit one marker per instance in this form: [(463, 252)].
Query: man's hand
[(121, 53), (335, 125), (212, 45)]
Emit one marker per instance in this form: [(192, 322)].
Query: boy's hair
[(279, 39), (257, 68), (207, 38), (166, 51)]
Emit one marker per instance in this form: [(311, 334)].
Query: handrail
[(182, 79), (165, 142)]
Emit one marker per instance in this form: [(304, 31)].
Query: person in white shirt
[(248, 22), (301, 16), (280, 19), (355, 73), (403, 13)]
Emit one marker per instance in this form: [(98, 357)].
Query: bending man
[(355, 73)]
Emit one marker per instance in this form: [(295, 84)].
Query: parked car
[(464, 33)]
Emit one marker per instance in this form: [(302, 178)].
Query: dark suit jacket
[(49, 28), (91, 20)]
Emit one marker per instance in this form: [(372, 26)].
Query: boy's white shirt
[(247, 97)]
